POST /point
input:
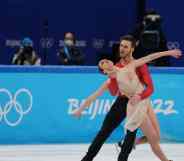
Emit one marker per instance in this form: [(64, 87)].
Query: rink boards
[(36, 104)]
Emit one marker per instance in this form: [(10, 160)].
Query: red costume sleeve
[(145, 78), (113, 87)]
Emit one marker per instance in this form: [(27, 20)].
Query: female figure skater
[(129, 84)]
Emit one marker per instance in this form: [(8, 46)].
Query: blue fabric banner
[(36, 106)]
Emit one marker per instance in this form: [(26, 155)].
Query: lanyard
[(67, 52)]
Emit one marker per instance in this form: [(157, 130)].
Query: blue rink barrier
[(36, 104)]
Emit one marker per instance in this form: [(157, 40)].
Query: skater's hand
[(135, 99), (77, 113), (176, 53)]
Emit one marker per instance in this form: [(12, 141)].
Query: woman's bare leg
[(154, 120), (150, 132)]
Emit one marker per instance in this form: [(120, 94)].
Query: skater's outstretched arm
[(174, 53), (91, 98)]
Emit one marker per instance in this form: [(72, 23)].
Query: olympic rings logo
[(14, 103), (173, 45), (98, 43), (47, 42)]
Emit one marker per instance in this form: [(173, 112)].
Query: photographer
[(26, 54), (150, 38)]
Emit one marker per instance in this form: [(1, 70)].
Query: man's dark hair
[(129, 38)]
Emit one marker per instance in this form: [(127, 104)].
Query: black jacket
[(74, 56)]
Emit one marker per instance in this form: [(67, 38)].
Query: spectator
[(69, 54), (26, 55)]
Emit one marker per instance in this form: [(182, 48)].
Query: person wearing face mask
[(69, 54), (26, 54)]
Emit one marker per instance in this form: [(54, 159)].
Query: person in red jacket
[(117, 112), (144, 76)]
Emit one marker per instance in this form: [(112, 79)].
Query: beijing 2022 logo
[(14, 106)]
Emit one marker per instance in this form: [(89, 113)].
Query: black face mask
[(28, 50)]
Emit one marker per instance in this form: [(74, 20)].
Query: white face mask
[(69, 42)]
